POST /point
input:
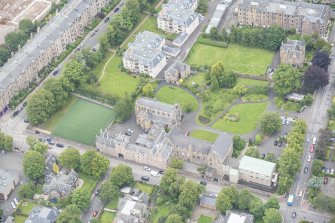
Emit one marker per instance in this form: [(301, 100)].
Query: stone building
[(176, 71), (8, 182), (42, 215), (145, 54), (293, 52), (152, 149), (306, 18), (151, 112), (48, 43), (257, 171), (178, 16)]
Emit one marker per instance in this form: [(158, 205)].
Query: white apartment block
[(47, 44), (178, 16), (145, 54)]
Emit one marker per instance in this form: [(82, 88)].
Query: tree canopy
[(315, 77), (270, 123), (33, 165), (71, 214), (70, 159), (121, 175), (286, 80), (94, 164), (81, 198), (321, 59), (6, 142)]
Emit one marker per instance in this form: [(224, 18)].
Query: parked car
[(275, 142), (203, 182), (283, 122), (15, 113), (161, 172), (24, 104), (332, 171), (97, 192), (37, 132), (280, 143), (146, 168), (309, 158), (306, 170), (145, 178), (55, 72), (325, 180), (15, 201), (263, 155), (287, 122), (122, 4), (116, 10), (311, 148), (107, 19), (26, 120), (294, 214), (95, 213), (60, 145), (51, 143), (300, 193), (13, 205)]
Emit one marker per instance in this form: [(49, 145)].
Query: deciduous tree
[(94, 164), (287, 79), (27, 191), (317, 167), (108, 191), (6, 142), (315, 77), (70, 159), (74, 72), (148, 90), (171, 183), (81, 198), (33, 165), (223, 203), (270, 123), (121, 175), (256, 208), (71, 214), (244, 198), (60, 96), (174, 218), (176, 163), (40, 106), (190, 192), (272, 202), (321, 59), (272, 216)]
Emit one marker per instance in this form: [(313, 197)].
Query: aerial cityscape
[(167, 111)]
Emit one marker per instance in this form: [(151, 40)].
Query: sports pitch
[(83, 121)]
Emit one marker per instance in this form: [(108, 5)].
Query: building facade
[(151, 112), (176, 71), (257, 171), (305, 18), (8, 182), (178, 16), (145, 54), (48, 43), (293, 52)]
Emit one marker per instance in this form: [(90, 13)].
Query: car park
[(203, 182), (306, 170), (325, 180), (145, 178), (60, 145)]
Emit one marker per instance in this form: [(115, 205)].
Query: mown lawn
[(204, 135), (254, 97), (20, 219), (147, 188), (198, 79), (26, 208), (251, 82), (249, 114), (107, 217), (205, 219), (172, 95), (89, 182), (81, 121), (240, 59), (162, 210)]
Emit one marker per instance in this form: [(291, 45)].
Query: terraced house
[(306, 18), (50, 41), (178, 16)]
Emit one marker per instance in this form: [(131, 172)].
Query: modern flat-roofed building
[(306, 18), (8, 182), (145, 54), (293, 52), (257, 171), (151, 112), (48, 43), (178, 17)]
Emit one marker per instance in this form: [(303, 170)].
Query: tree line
[(290, 159), (6, 142), (243, 200)]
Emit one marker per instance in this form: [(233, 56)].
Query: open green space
[(161, 210), (204, 135), (172, 95), (20, 219), (147, 188), (196, 79), (213, 103), (248, 114), (205, 219), (89, 182), (23, 211), (107, 217), (240, 59), (254, 97), (81, 121), (251, 82), (331, 124)]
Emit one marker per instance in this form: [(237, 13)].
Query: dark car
[(161, 172), (276, 142), (24, 104), (145, 178), (37, 132), (15, 113), (41, 140), (107, 19), (294, 214), (55, 72), (116, 10), (306, 170), (26, 120), (203, 182), (97, 192), (263, 155), (51, 143), (59, 145)]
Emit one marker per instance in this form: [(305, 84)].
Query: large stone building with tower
[(293, 52)]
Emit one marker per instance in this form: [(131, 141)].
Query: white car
[(307, 140), (13, 205), (332, 171), (309, 158), (146, 168), (15, 201), (300, 193)]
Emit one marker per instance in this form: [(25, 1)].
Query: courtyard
[(79, 120), (236, 58)]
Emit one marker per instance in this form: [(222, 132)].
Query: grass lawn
[(214, 103), (81, 121), (19, 219), (205, 219), (113, 203), (251, 82), (115, 82), (89, 182), (204, 135), (249, 114), (147, 188), (27, 208), (240, 59), (172, 95), (162, 210), (254, 97), (198, 79), (331, 124), (107, 217)]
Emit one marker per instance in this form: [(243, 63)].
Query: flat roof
[(129, 205), (257, 165), (236, 218)]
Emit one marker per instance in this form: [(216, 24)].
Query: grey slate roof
[(7, 179), (178, 13), (61, 184), (42, 215), (146, 49), (157, 105), (41, 41), (207, 200), (311, 12)]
